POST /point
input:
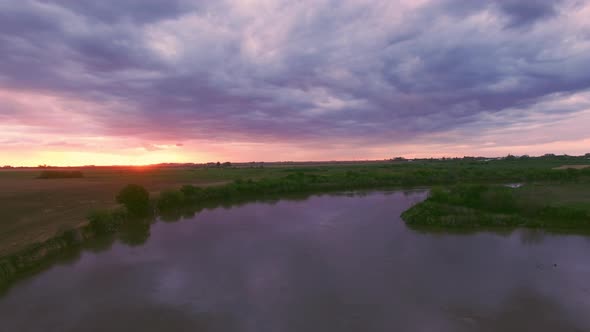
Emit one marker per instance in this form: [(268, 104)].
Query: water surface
[(328, 263)]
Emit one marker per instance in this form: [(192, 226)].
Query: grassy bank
[(35, 210), (168, 204), (533, 206), (183, 192)]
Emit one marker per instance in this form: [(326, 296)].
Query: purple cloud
[(327, 71)]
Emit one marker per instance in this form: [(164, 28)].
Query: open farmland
[(35, 209)]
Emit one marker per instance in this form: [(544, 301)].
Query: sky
[(146, 81)]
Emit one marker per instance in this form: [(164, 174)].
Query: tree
[(510, 157), (135, 198)]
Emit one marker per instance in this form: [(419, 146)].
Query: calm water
[(328, 263)]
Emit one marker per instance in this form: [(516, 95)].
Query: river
[(326, 263)]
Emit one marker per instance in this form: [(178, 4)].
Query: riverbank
[(489, 206), (309, 253), (170, 206), (247, 185), (35, 210), (39, 255)]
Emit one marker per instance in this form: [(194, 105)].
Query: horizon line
[(393, 159)]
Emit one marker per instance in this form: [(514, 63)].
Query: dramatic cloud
[(262, 79)]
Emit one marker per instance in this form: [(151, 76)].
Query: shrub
[(499, 199), (170, 200), (562, 213), (135, 198), (191, 192), (438, 194), (69, 236), (104, 221)]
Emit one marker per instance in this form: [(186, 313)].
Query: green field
[(559, 206), (35, 209)]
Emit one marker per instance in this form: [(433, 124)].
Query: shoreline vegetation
[(451, 204), (490, 206)]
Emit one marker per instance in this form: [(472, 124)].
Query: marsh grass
[(495, 206)]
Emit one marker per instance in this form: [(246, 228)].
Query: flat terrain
[(34, 209), (556, 205), (563, 194)]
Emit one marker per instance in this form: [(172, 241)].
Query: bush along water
[(138, 207), (491, 206), (499, 199), (37, 256), (457, 206), (136, 200), (136, 215)]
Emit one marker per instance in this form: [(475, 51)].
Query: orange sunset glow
[(215, 84)]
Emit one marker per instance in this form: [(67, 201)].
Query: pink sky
[(110, 83)]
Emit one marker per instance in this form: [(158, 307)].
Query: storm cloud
[(363, 73)]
